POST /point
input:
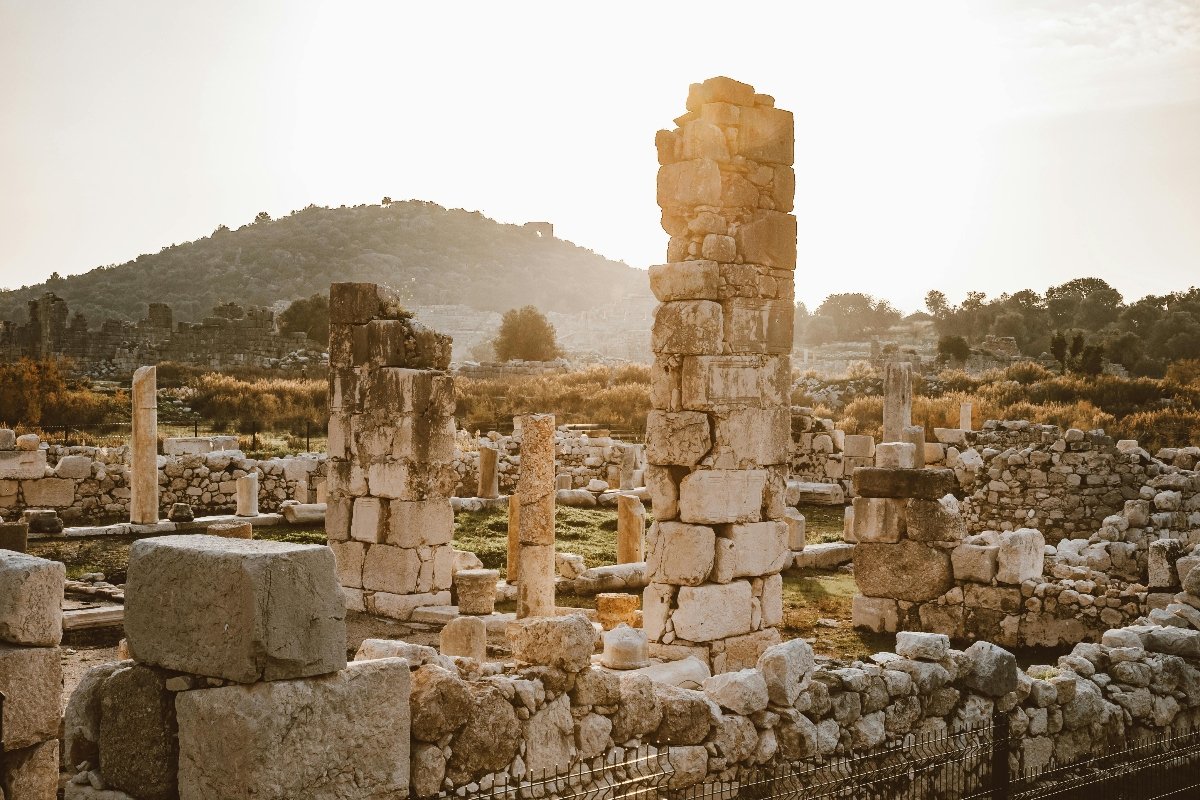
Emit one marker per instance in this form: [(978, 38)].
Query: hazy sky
[(957, 145)]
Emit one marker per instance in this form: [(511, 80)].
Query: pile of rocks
[(238, 684), (31, 591)]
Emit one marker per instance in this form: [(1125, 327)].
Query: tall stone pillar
[(514, 539), (915, 435), (718, 434), (964, 416), (631, 529), (391, 454), (897, 400), (489, 479), (535, 522), (143, 472)]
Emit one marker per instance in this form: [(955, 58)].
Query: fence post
[(307, 436), (196, 427), (1000, 746)]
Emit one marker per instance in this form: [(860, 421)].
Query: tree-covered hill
[(436, 255)]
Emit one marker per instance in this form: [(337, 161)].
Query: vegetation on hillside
[(435, 255), (40, 393), (526, 334)]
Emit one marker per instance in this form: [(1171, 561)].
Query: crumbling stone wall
[(391, 453), (718, 433), (582, 455), (821, 453)]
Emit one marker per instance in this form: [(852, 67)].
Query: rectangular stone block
[(895, 455), (420, 522), (138, 748), (31, 773), (710, 497), (902, 571), (687, 327), (369, 523), (31, 594), (686, 280), (769, 238), (858, 446), (696, 182), (391, 569), (412, 480), (339, 511), (679, 554), (767, 135), (679, 438), (879, 519), (923, 484), (49, 493), (395, 390), (22, 464), (759, 548), (759, 326), (31, 680), (243, 610), (424, 438), (796, 528), (751, 437), (974, 562), (875, 614), (818, 494), (401, 606), (345, 735), (710, 382), (713, 611), (1021, 557), (354, 303)]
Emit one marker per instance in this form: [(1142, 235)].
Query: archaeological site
[(417, 609)]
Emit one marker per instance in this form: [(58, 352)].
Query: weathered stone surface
[(549, 737), (465, 636), (639, 710), (677, 437), (686, 716), (895, 455), (710, 497), (879, 519), (441, 702), (713, 611), (903, 571), (786, 668), (922, 646), (49, 492), (81, 720), (990, 669), (935, 520), (288, 739), (31, 773), (742, 692), (138, 748), (566, 643), (22, 465), (1021, 556), (975, 562), (688, 327), (143, 471), (244, 610), (875, 614), (680, 554), (488, 740), (686, 280), (428, 769), (922, 484), (759, 548), (31, 680), (31, 592)]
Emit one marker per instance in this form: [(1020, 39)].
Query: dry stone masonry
[(718, 432), (391, 454)]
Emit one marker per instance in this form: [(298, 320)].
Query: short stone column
[(489, 479), (631, 529), (476, 591), (615, 608), (631, 465), (514, 541), (915, 435), (231, 530), (897, 400), (464, 636), (247, 495), (535, 523), (143, 466), (964, 416)]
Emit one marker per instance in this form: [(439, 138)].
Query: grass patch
[(822, 523), (591, 533), (813, 595), (292, 535)]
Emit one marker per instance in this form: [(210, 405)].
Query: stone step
[(830, 555)]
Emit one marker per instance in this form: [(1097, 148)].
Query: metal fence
[(115, 434)]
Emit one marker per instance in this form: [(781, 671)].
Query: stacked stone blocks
[(718, 434), (391, 454)]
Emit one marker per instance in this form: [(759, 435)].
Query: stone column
[(897, 400), (915, 435), (535, 520), (476, 590), (143, 467), (719, 429), (631, 529), (631, 462), (391, 454), (489, 479), (514, 541), (247, 495), (964, 416)]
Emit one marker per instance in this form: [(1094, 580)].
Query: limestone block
[(677, 438), (631, 529), (22, 464), (895, 455), (464, 636), (819, 494), (772, 601), (8, 439), (753, 325), (31, 592), (713, 611), (476, 590), (719, 496), (827, 555), (1161, 558), (859, 446), (696, 182), (350, 558), (391, 392), (747, 437), (688, 327), (1185, 565), (923, 484), (680, 554), (796, 528), (392, 569), (989, 669), (786, 668), (713, 382), (760, 548), (875, 614), (244, 610), (975, 562), (769, 239), (903, 571), (1021, 556), (743, 692), (81, 719), (289, 739), (922, 646), (31, 773), (231, 530), (31, 680), (74, 467), (935, 520), (566, 643), (138, 749), (549, 737), (664, 491), (848, 524), (411, 480), (686, 280), (49, 492), (879, 519), (915, 435), (742, 652), (401, 606)]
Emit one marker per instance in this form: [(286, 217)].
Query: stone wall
[(91, 484), (820, 453), (582, 456)]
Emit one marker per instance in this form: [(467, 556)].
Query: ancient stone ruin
[(717, 436)]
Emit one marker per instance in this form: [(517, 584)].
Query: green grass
[(591, 533), (813, 595), (822, 523)]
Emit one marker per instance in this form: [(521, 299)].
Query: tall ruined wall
[(718, 433)]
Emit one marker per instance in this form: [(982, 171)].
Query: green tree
[(1058, 348), (309, 315), (953, 348), (936, 302), (1091, 360), (262, 216), (525, 333), (1077, 345)]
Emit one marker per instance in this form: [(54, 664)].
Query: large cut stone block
[(420, 523), (767, 135), (689, 183), (355, 303), (677, 437), (680, 554), (344, 735), (687, 327), (879, 519), (412, 480), (1021, 557), (49, 492), (138, 748), (31, 680), (974, 562), (922, 484), (903, 571), (713, 611), (395, 390), (713, 381), (759, 548), (686, 280), (935, 520), (565, 643), (751, 437), (755, 325), (240, 609), (31, 592), (392, 569), (769, 238), (22, 464), (32, 773), (714, 496)]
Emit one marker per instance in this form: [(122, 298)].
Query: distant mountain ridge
[(435, 255)]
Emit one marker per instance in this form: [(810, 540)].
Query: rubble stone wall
[(585, 457), (821, 453)]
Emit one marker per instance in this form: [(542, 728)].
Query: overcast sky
[(957, 145)]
